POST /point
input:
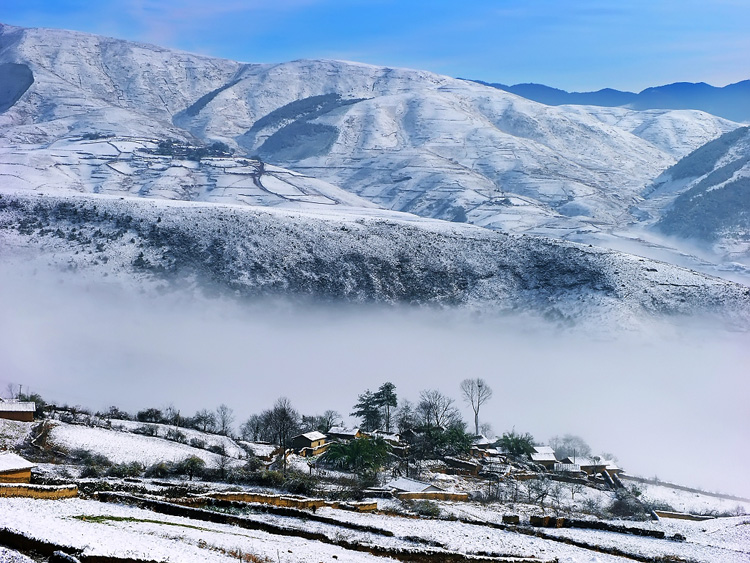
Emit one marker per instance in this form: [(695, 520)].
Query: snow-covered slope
[(124, 447), (362, 256), (406, 140), (705, 197), (144, 167)]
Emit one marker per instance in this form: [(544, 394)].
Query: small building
[(310, 443), (406, 485), (482, 442), (567, 468), (14, 468), (390, 437), (17, 410), (463, 466), (342, 433), (590, 466), (544, 456)]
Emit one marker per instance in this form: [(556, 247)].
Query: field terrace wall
[(22, 476), (48, 492), (286, 501)]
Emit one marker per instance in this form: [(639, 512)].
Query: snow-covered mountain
[(406, 140), (731, 101), (341, 148)]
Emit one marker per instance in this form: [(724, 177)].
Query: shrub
[(517, 444), (176, 435), (192, 466), (198, 443), (159, 470), (300, 484), (132, 469), (626, 505), (146, 430), (426, 508)]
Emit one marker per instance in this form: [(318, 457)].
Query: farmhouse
[(310, 443), (406, 485), (343, 434), (14, 468), (544, 456), (17, 410), (591, 466)]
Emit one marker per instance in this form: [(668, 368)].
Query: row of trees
[(381, 410)]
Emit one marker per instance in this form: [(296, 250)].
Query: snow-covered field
[(110, 529), (13, 433), (124, 447), (209, 440)]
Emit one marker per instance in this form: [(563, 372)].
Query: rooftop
[(13, 462), (411, 485), (313, 436), (17, 406), (343, 431)]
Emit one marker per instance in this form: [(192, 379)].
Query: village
[(318, 480)]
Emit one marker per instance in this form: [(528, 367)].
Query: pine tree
[(367, 409), (387, 400)]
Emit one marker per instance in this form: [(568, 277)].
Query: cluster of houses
[(483, 448), (15, 469), (545, 457)]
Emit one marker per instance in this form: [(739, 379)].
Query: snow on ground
[(132, 532), (10, 556), (210, 440), (697, 547), (13, 433), (122, 447), (688, 501)]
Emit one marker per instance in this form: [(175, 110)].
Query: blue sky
[(575, 45)]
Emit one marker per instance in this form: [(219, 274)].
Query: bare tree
[(284, 421), (252, 429), (476, 392), (406, 417), (436, 409), (570, 446), (205, 420), (224, 419), (328, 420)]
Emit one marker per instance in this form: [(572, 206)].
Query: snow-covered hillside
[(145, 167), (350, 254), (705, 197)]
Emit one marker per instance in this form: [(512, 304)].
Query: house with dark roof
[(310, 443), (544, 456)]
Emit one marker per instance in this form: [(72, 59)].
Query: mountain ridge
[(731, 101)]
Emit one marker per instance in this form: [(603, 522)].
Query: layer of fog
[(670, 401)]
